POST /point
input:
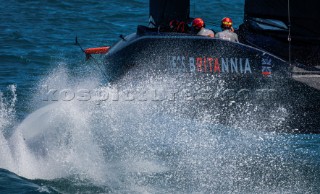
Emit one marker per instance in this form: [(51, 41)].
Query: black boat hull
[(184, 54), (239, 82)]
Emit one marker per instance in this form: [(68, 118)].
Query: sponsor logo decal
[(182, 64), (266, 67)]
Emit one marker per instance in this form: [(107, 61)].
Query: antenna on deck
[(289, 34)]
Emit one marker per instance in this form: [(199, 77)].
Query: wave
[(12, 183)]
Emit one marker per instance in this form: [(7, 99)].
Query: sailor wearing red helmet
[(227, 31), (198, 27)]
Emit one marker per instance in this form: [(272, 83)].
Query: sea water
[(64, 129)]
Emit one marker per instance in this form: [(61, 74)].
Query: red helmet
[(173, 24), (226, 22), (198, 23)]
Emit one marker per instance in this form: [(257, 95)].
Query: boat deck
[(307, 75)]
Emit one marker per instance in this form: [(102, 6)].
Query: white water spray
[(142, 145), (7, 117)]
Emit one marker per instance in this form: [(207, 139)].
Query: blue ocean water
[(92, 147)]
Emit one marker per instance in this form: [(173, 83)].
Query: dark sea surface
[(106, 147)]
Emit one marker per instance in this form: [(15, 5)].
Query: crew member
[(176, 26), (227, 31), (198, 26)]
